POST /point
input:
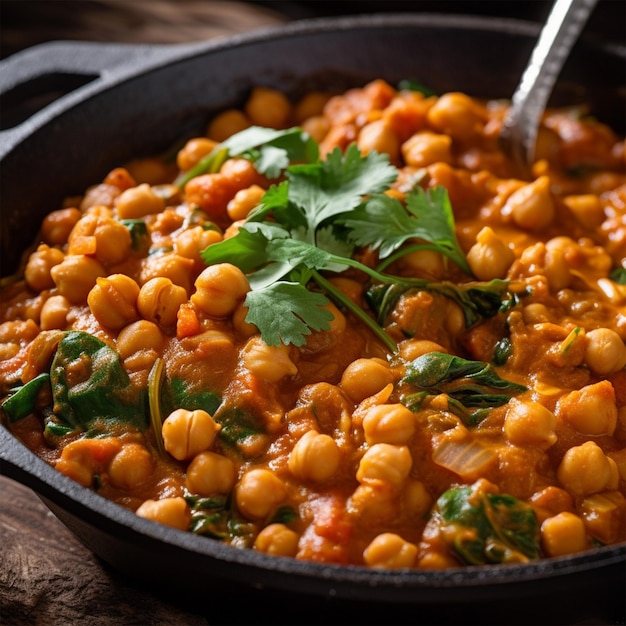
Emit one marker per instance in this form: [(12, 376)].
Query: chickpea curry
[(343, 329)]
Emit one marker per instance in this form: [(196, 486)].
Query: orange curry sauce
[(334, 444)]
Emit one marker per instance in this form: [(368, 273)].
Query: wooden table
[(47, 577)]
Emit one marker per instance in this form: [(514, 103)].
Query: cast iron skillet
[(139, 100)]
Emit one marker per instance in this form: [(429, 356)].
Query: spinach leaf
[(186, 396), (477, 300), (468, 384), (503, 350), (21, 401), (89, 384), (485, 528), (237, 425), (619, 275)]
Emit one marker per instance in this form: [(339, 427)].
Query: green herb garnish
[(472, 387), (310, 224), (485, 528)]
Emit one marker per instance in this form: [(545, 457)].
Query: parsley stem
[(341, 298)]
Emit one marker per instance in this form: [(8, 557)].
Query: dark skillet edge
[(140, 548), (105, 61), (158, 555)]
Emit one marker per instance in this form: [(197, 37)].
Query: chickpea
[(101, 236), (411, 349), (131, 467), (244, 328), (57, 226), (457, 115), (563, 534), (244, 201), (389, 423), (425, 262), (530, 424), (113, 241), (587, 208), (416, 499), (532, 206), (373, 504), (605, 352), (271, 363), (277, 539), (192, 241), (591, 410), (54, 313), (138, 202), (113, 300), (585, 469), (219, 289), (535, 313), (81, 459), (210, 473), (489, 257), (228, 123), (268, 107), (178, 269), (378, 136), (619, 456), (151, 170), (316, 127), (425, 148), (137, 337), (40, 262), (311, 105), (351, 288), (556, 268), (338, 322), (385, 463), (158, 301), (315, 457), (390, 551), (172, 512), (100, 197), (191, 153), (187, 433), (365, 377), (76, 276), (258, 493)]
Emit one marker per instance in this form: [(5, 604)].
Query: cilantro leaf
[(248, 248), (384, 224), (277, 149), (337, 185), (287, 312), (309, 224)]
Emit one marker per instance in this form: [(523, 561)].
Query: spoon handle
[(561, 30)]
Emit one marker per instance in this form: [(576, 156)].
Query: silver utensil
[(559, 34)]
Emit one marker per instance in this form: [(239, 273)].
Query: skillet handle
[(38, 77)]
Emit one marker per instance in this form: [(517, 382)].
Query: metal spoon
[(520, 126)]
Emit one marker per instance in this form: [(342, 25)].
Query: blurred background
[(25, 23)]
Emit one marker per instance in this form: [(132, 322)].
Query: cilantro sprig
[(311, 223), (270, 150)]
